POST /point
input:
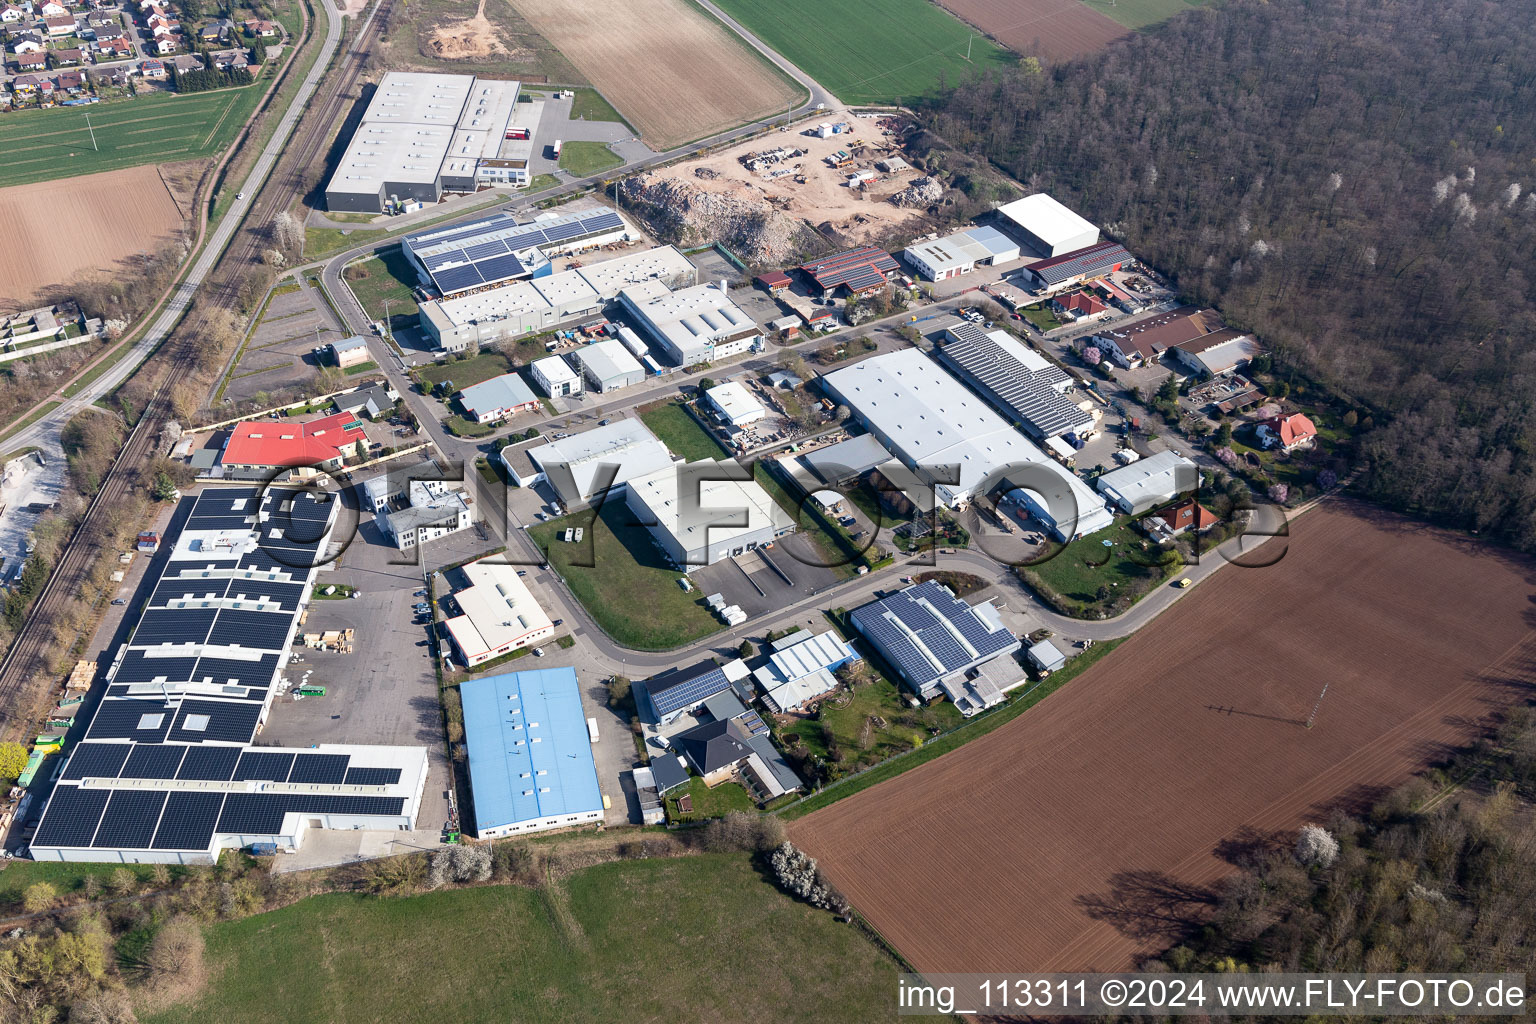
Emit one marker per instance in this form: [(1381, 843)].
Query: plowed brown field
[(675, 72), (1050, 29), (1070, 838), (54, 231)]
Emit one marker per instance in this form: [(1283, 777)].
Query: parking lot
[(767, 579), (279, 352)]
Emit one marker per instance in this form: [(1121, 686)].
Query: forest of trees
[(1353, 180)]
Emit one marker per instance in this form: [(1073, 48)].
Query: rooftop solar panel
[(269, 631), (372, 776), (173, 626), (458, 278), (97, 760), (153, 760), (444, 259), (125, 720), (209, 764), (562, 232), (480, 250), (668, 696), (227, 721), (605, 221), (72, 816), (326, 768), (268, 767), (498, 267), (130, 819), (137, 667), (187, 821), (525, 239)]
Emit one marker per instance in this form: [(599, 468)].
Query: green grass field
[(681, 432), (464, 372), (584, 158), (703, 938), (589, 105), (871, 51), (1082, 567), (1138, 14), (384, 277), (42, 144), (620, 578)]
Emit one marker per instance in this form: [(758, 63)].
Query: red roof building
[(256, 447), (860, 270), (1287, 432), (1080, 304), (1186, 515), (773, 281)]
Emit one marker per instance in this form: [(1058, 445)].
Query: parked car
[(118, 600), (1185, 583)]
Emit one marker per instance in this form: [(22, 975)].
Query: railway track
[(33, 648)]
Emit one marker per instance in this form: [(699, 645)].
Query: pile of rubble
[(921, 193), (753, 229)]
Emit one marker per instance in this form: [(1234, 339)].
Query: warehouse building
[(857, 271), (497, 249), (426, 134), (608, 366), (167, 770), (256, 449), (1076, 267), (960, 253), (698, 520), (497, 614), (538, 304), (530, 755), (941, 646), (1049, 227), (1215, 354), (800, 669), (1149, 482), (692, 325), (581, 467), (950, 439), (1021, 384), (499, 398), (555, 377), (734, 404)]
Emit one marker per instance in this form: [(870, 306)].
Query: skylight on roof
[(196, 723), (150, 721)]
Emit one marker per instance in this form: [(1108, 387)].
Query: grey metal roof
[(846, 459), (668, 772), (505, 392), (1028, 395), (763, 747), (1088, 260)]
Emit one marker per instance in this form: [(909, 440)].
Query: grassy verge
[(589, 105), (623, 582), (361, 368), (37, 414), (464, 372), (386, 278), (570, 945), (973, 729), (709, 803), (1089, 579)]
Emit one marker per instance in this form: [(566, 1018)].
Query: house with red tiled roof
[(67, 56), (72, 82), (258, 448), (31, 61), (113, 49), (1078, 305), (1286, 432), (1169, 522), (152, 67)]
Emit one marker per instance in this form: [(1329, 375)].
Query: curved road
[(45, 433)]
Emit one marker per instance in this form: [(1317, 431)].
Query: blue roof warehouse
[(530, 756)]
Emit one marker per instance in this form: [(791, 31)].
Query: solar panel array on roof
[(96, 760), (153, 761), (209, 764), (1018, 391), (130, 820), (329, 768), (187, 822), (686, 689), (269, 767), (372, 776), (262, 813), (216, 720), (469, 259), (916, 630), (73, 814), (859, 268), (1093, 259)]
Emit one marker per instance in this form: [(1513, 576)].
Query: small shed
[(773, 282), (1045, 657)]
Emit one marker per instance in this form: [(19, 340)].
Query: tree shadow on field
[(1149, 905), (1248, 847)]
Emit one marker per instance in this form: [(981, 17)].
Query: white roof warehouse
[(693, 325), (950, 438)]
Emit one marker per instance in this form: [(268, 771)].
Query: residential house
[(117, 77), (27, 42), (109, 33), (72, 82), (1078, 305), (263, 29), (1286, 432), (184, 62), (101, 19), (45, 89), (496, 399), (225, 60), (1144, 343), (59, 27), (152, 68), (213, 32), (31, 61), (371, 401), (1178, 518), (166, 44), (52, 9), (68, 57), (10, 13), (113, 49), (723, 750), (28, 85)]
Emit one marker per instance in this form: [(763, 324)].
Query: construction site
[(839, 178)]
